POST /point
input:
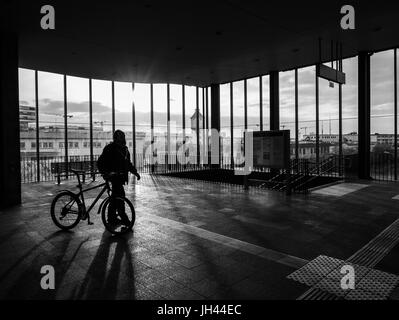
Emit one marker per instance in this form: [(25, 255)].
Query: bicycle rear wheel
[(118, 215), (66, 210)]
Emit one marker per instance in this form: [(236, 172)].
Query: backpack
[(101, 165)]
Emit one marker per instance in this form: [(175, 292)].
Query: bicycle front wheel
[(118, 215), (66, 210)]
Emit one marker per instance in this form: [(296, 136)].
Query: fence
[(45, 166), (382, 166)]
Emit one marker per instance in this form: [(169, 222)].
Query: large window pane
[(238, 125), (176, 118), (51, 121), (350, 107), (123, 112), (225, 133), (382, 97), (190, 96), (27, 120), (329, 118), (78, 118), (307, 112), (266, 102), (287, 104), (160, 123), (102, 114), (382, 115), (253, 103), (142, 102)]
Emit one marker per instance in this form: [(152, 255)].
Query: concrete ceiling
[(195, 42)]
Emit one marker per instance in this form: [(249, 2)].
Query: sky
[(51, 103)]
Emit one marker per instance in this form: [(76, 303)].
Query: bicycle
[(69, 208)]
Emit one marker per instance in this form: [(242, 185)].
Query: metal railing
[(30, 167), (382, 166)]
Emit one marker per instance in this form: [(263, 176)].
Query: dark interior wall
[(10, 175)]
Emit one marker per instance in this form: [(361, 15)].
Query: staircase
[(302, 174)]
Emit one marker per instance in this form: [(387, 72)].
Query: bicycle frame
[(105, 187), (80, 195)]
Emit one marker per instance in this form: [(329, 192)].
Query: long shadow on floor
[(111, 273), (25, 271)]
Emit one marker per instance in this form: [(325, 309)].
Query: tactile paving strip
[(331, 286), (324, 275), (375, 285), (315, 270), (374, 251), (359, 294)]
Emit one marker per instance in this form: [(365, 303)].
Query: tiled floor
[(191, 240)]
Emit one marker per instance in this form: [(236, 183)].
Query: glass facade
[(76, 118), (65, 129), (225, 125), (238, 122), (265, 103), (383, 158), (102, 114), (287, 104), (253, 104), (306, 112), (124, 111), (142, 106)]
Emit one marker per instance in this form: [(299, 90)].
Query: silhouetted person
[(115, 164)]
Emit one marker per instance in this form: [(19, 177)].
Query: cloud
[(56, 107)]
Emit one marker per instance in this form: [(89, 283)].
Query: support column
[(364, 115), (152, 127), (207, 128), (231, 126), (274, 106), (340, 138), (260, 104), (134, 158), (168, 167), (183, 93), (10, 172), (245, 105), (296, 116), (37, 133), (93, 176), (317, 147), (395, 82), (215, 125), (66, 128), (197, 126), (113, 106), (274, 101)]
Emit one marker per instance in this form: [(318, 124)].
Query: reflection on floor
[(192, 240)]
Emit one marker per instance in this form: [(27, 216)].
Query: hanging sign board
[(330, 74)]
